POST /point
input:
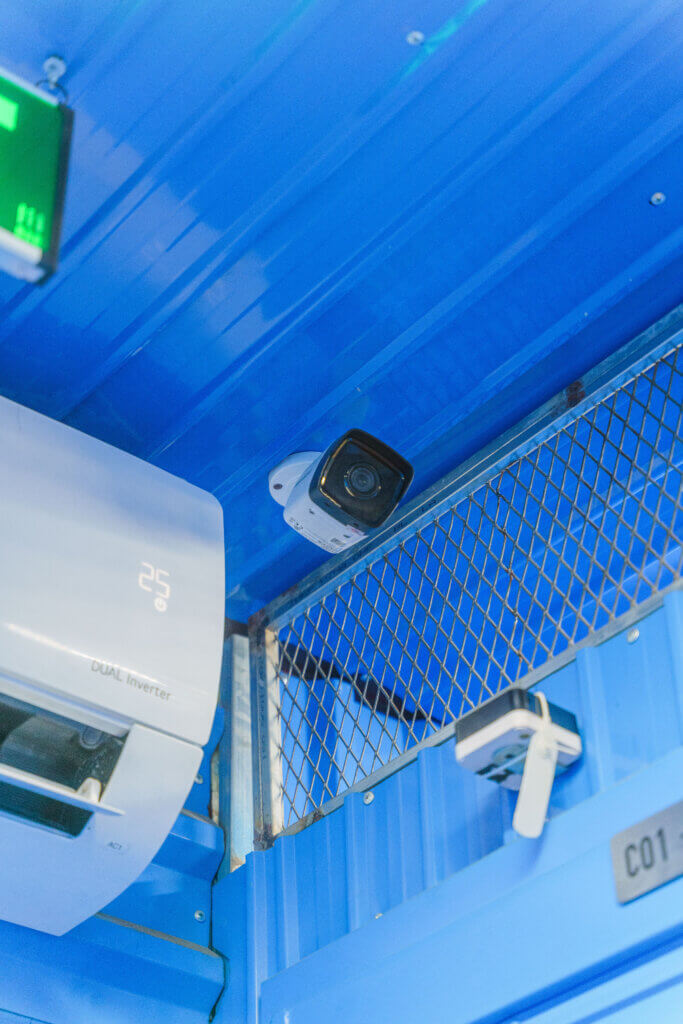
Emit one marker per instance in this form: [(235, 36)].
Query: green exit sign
[(35, 137)]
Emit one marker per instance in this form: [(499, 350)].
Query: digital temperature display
[(35, 134)]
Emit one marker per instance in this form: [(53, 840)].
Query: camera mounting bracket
[(283, 478)]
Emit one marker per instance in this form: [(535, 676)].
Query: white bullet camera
[(335, 498)]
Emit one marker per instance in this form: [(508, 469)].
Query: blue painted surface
[(105, 972), (284, 220), (424, 905), (176, 884)]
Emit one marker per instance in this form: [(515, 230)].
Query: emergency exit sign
[(35, 136)]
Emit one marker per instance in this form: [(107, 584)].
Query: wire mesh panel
[(569, 536)]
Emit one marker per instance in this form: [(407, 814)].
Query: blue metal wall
[(285, 220), (424, 905)]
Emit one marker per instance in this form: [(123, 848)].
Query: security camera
[(335, 498)]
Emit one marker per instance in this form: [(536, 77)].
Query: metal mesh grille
[(577, 532)]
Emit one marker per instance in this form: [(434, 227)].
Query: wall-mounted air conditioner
[(111, 627)]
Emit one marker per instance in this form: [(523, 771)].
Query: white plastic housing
[(289, 483), (537, 784), (511, 734), (284, 477), (112, 587), (52, 882), (111, 614)]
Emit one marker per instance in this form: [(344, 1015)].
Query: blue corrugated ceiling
[(291, 217)]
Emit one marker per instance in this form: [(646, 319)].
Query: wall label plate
[(648, 854)]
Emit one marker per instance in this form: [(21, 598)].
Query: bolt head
[(632, 635), (54, 67), (368, 797), (657, 198), (415, 38), (199, 915)]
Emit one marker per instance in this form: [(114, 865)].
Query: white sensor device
[(520, 741)]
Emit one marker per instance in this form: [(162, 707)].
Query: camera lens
[(362, 480), (359, 481)]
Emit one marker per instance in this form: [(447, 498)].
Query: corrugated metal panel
[(309, 907), (285, 220), (107, 973)]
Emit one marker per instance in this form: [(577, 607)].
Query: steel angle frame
[(232, 804), (561, 412), (266, 754)]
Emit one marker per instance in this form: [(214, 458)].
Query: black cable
[(297, 662)]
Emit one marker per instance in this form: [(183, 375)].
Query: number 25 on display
[(155, 581)]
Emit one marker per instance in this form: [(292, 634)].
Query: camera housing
[(335, 498)]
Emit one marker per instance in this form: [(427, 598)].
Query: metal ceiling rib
[(284, 220)]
